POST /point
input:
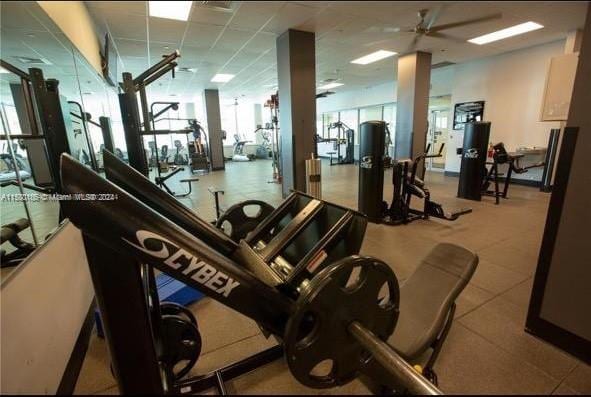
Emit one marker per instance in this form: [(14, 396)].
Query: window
[(351, 119), (390, 118)]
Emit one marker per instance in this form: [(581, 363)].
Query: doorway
[(436, 136)]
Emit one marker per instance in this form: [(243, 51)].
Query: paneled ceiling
[(241, 39)]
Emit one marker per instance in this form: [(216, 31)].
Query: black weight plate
[(175, 309), (240, 222), (181, 344), (317, 330)]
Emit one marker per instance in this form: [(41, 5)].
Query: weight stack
[(372, 139), (313, 185), (473, 166)]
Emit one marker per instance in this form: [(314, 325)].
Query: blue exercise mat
[(169, 290)]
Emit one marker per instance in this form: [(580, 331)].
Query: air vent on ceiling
[(32, 61), (442, 64), (225, 6)]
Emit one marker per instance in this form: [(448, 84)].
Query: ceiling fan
[(324, 94), (426, 27)]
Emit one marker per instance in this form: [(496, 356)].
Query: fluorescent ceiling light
[(329, 86), (178, 10), (508, 32), (222, 78), (373, 57), (2, 70)]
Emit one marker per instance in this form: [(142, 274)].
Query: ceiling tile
[(202, 35), (253, 14), (166, 30), (290, 16), (210, 16)]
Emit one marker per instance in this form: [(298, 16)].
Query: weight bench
[(427, 303)]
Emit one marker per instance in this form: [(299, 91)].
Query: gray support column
[(297, 105), (211, 99), (414, 75)]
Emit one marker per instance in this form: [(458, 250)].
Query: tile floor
[(487, 350)]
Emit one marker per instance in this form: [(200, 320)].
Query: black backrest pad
[(427, 296)]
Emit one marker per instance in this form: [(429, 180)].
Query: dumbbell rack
[(258, 277)]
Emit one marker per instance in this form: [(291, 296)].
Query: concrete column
[(297, 105), (573, 41), (211, 99), (414, 76)]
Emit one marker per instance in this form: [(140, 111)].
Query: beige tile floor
[(487, 350)]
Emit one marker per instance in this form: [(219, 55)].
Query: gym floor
[(487, 350)]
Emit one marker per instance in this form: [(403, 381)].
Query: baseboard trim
[(72, 371)]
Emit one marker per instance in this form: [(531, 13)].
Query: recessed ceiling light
[(508, 32), (222, 78), (31, 35), (178, 10), (329, 86), (373, 57), (2, 70)]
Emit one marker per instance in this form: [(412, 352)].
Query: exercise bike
[(406, 186)]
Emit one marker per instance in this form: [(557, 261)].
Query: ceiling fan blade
[(413, 43), (445, 36), (434, 15), (465, 23)]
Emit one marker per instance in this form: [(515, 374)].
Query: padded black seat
[(427, 299)]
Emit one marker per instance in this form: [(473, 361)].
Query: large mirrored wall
[(30, 40)]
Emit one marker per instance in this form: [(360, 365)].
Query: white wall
[(44, 304), (73, 19), (512, 86), (441, 80)]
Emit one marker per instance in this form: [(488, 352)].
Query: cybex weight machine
[(297, 274)]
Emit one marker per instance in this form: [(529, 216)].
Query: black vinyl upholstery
[(428, 295)]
